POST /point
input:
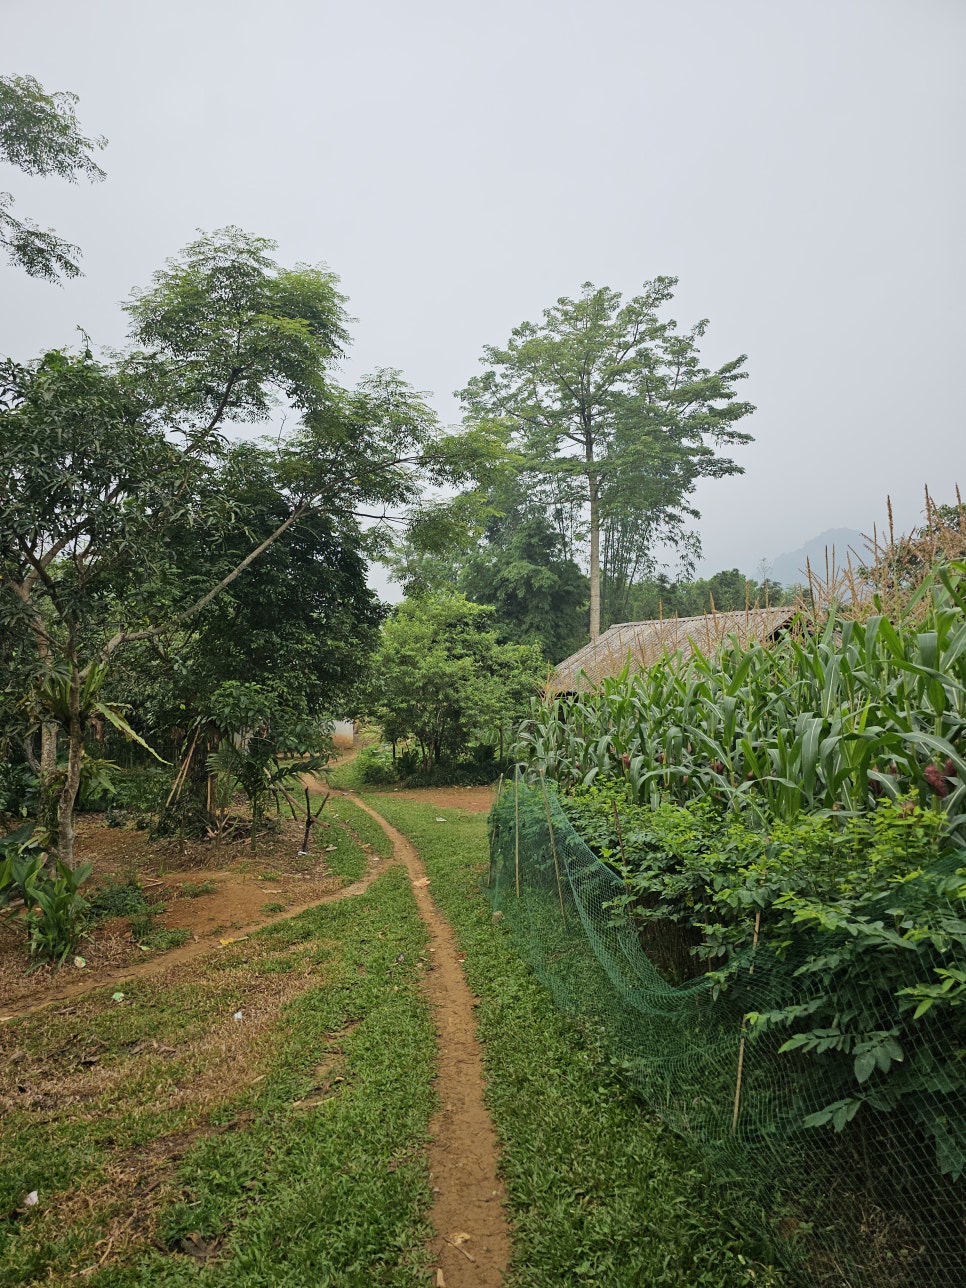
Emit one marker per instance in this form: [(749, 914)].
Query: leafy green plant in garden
[(46, 904), (863, 917)]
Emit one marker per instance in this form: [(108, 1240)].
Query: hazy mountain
[(788, 568)]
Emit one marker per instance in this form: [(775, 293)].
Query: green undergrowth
[(599, 1191), (301, 1125)]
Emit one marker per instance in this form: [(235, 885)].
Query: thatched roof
[(644, 643)]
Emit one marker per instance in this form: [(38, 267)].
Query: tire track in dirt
[(472, 1244)]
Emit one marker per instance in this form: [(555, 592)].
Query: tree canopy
[(40, 135), (616, 421)]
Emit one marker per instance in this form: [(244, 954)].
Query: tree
[(520, 568), (516, 565), (440, 676), (104, 467), (616, 420), (39, 134)]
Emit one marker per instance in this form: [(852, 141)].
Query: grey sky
[(798, 166)]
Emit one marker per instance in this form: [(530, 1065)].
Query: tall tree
[(40, 135), (615, 417)]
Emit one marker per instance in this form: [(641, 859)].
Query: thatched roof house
[(644, 643)]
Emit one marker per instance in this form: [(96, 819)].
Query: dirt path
[(472, 1244)]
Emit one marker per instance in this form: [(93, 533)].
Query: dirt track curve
[(472, 1244)]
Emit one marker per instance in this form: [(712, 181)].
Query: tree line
[(161, 575)]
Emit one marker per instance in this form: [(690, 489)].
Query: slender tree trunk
[(592, 488), (68, 794), (47, 794)]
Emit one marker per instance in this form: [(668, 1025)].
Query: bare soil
[(251, 891)]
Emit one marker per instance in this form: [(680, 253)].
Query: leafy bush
[(118, 899), (862, 917), (16, 781), (375, 767), (142, 791)]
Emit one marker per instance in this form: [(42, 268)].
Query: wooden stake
[(744, 1022)]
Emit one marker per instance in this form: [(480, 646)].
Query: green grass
[(161, 940), (320, 1176), (194, 890), (349, 829), (599, 1191), (362, 826)]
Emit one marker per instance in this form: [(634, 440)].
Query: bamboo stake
[(516, 844), (744, 1022), (620, 835), (553, 847), (182, 773)]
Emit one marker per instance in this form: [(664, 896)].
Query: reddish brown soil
[(476, 800)]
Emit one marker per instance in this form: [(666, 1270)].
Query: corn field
[(833, 716)]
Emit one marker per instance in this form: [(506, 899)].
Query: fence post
[(553, 847), (516, 828)]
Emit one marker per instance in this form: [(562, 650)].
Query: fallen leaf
[(80, 962), (117, 997), (422, 881), (223, 942), (32, 1199), (440, 1281)]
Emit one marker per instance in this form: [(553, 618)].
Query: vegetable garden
[(745, 875)]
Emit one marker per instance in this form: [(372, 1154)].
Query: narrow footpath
[(472, 1243)]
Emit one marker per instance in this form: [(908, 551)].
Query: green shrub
[(118, 899)]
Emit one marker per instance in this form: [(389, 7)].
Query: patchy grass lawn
[(600, 1192), (259, 1117)]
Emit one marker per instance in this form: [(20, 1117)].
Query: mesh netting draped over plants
[(849, 1189)]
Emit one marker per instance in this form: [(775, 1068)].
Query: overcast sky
[(799, 167)]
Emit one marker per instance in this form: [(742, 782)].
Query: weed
[(161, 940), (269, 908), (118, 899)]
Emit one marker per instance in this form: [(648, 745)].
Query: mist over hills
[(789, 568)]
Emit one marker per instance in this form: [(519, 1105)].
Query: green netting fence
[(868, 1204)]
